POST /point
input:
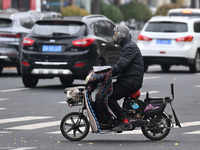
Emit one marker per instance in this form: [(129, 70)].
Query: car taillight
[(83, 42), (81, 64), (185, 39), (143, 38), (25, 63), (186, 11), (10, 35), (27, 41)]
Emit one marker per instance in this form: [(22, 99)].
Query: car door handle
[(103, 44)]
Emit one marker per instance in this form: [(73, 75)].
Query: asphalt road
[(30, 117)]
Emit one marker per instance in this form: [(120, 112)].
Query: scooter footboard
[(92, 118)]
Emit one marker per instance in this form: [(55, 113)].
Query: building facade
[(57, 5)]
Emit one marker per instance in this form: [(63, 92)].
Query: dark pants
[(120, 90)]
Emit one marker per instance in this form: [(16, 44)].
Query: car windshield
[(4, 23), (57, 28), (166, 27)]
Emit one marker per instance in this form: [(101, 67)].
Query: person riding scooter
[(129, 70)]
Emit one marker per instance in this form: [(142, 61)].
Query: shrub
[(74, 11), (163, 10), (136, 10), (112, 12)]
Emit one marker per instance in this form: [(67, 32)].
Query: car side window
[(109, 29), (197, 27), (100, 29), (4, 23), (26, 22)]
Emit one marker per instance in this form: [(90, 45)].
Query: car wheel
[(165, 68), (1, 69), (195, 67), (29, 80), (67, 81)]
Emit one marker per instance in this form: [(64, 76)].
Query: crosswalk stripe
[(14, 90), (35, 126), (54, 132), (150, 92), (193, 132), (132, 132), (124, 132), (2, 109), (19, 148), (184, 124), (197, 86), (27, 118), (193, 123), (4, 132), (3, 99), (155, 77)]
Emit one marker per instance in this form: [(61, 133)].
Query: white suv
[(171, 41)]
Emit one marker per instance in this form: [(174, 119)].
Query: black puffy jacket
[(130, 65)]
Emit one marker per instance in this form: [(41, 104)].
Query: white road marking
[(150, 92), (2, 109), (3, 99), (28, 118), (187, 124), (184, 124), (17, 148), (132, 132), (5, 132), (155, 77), (193, 132), (124, 132), (55, 132), (197, 86), (35, 126), (14, 90), (63, 102)]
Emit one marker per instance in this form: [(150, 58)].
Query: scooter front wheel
[(74, 126)]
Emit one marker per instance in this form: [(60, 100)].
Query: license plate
[(163, 41), (51, 48)]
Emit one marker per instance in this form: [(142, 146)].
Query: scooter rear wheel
[(160, 130), (74, 126)]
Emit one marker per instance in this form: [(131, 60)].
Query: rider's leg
[(120, 90), (118, 93)]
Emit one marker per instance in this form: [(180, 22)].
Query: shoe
[(122, 127), (110, 121)]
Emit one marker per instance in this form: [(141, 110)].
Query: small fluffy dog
[(75, 95)]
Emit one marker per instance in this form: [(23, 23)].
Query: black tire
[(195, 67), (1, 69), (159, 132), (67, 81), (29, 80), (74, 126), (165, 68)]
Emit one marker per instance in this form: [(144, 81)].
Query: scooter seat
[(135, 95)]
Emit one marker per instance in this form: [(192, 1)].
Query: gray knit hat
[(122, 32)]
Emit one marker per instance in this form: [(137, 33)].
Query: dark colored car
[(13, 27), (67, 48)]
